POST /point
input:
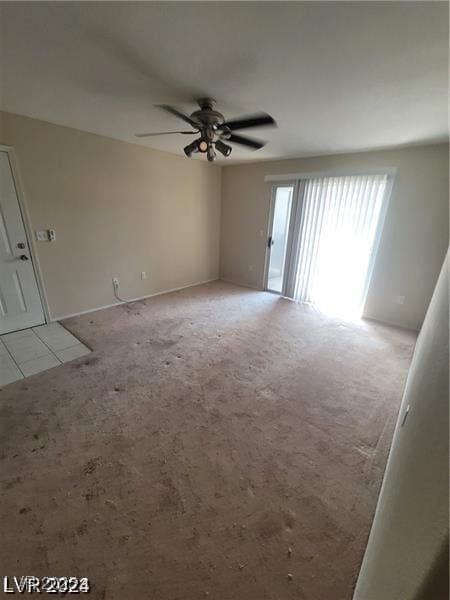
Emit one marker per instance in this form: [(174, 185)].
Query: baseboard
[(390, 324), (91, 310), (240, 284)]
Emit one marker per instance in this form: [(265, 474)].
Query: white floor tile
[(26, 348), (9, 371), (72, 353), (17, 335), (55, 337), (36, 365), (54, 326), (30, 351)]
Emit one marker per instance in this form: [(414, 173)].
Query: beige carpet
[(219, 442)]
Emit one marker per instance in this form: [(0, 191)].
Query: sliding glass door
[(330, 240), (281, 208)]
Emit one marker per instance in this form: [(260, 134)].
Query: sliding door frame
[(290, 178), (289, 247)]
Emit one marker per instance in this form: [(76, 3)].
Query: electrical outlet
[(143, 275), (115, 282), (51, 235)]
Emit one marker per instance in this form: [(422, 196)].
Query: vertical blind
[(340, 217)]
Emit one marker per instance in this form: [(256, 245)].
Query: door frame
[(294, 184), (24, 212)]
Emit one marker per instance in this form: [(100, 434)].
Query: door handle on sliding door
[(23, 257), (270, 241)]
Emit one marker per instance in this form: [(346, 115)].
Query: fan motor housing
[(207, 116)]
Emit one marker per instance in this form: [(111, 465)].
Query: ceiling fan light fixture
[(224, 149), (202, 146), (211, 154), (191, 148)]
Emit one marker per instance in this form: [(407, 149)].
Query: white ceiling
[(337, 77)]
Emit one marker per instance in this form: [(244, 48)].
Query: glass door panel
[(278, 239)]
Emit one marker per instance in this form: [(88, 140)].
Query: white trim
[(268, 250), (91, 310), (370, 320), (391, 171), (241, 284), (23, 206)]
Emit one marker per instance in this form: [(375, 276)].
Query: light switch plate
[(42, 236)]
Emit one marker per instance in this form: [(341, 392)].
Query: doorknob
[(270, 241), (23, 257)]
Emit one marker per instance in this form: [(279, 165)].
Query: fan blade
[(257, 120), (144, 135), (177, 113), (245, 141)]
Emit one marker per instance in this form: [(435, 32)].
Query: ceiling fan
[(214, 130)]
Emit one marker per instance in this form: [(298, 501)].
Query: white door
[(20, 302)]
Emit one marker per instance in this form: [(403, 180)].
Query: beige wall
[(414, 240), (118, 209), (409, 537)]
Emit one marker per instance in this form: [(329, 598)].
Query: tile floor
[(29, 351)]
